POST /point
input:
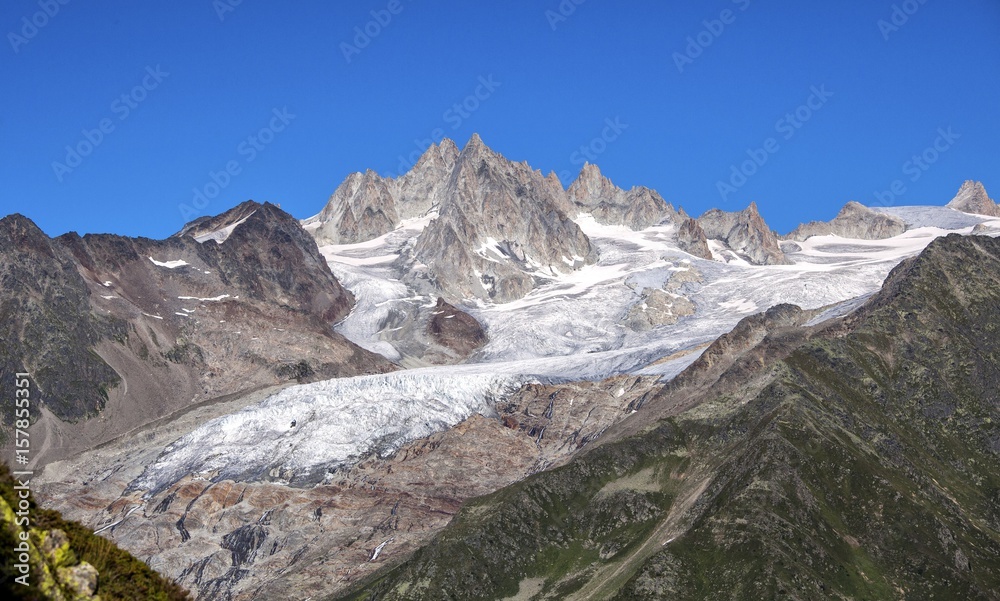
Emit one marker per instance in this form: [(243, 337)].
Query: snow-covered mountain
[(523, 315)]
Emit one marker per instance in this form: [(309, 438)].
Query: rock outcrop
[(745, 233), (692, 240), (455, 329), (972, 198), (638, 208), (42, 556), (360, 209), (854, 221)]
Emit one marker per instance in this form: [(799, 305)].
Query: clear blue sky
[(553, 86)]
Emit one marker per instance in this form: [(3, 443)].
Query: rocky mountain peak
[(638, 208), (499, 223), (972, 198), (745, 233), (591, 186), (854, 220)]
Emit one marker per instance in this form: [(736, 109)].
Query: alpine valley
[(472, 382)]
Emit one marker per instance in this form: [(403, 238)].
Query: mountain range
[(475, 382)]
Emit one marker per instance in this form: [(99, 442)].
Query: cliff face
[(856, 458), (499, 226), (745, 233), (972, 198)]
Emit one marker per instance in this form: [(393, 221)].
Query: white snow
[(571, 327), (334, 421), (213, 299), (222, 234), (169, 264)]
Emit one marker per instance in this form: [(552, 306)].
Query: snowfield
[(571, 327)]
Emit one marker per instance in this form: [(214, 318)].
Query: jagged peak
[(475, 143), (972, 198)]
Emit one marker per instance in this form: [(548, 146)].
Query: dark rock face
[(499, 222), (972, 198), (455, 329), (854, 221), (855, 458), (691, 239), (745, 233), (47, 326), (638, 208), (152, 325)]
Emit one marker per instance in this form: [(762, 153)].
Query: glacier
[(301, 434), (569, 328)]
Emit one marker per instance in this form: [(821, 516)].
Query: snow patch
[(222, 234), (169, 264)]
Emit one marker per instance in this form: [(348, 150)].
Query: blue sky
[(799, 106)]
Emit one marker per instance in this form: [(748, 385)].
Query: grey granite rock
[(854, 221), (745, 233)]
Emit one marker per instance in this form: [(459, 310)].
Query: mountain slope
[(860, 459), (66, 560), (146, 327)]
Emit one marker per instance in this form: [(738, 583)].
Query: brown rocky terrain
[(138, 328)]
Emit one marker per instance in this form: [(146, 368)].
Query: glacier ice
[(298, 434)]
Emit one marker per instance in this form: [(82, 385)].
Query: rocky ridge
[(638, 208), (853, 221), (745, 234), (500, 225), (972, 198)]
